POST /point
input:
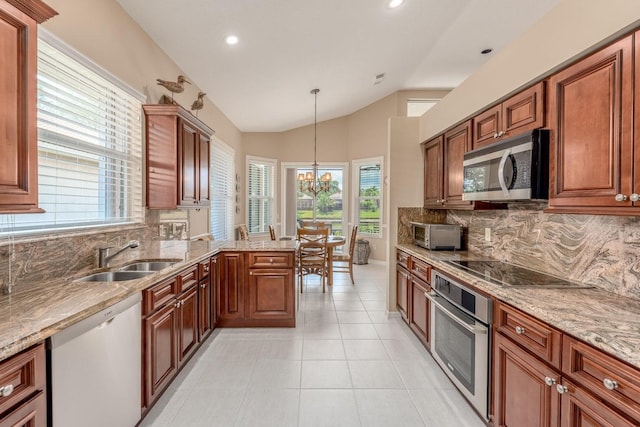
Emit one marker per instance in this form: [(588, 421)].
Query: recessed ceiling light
[(395, 3), (486, 51), (231, 40)]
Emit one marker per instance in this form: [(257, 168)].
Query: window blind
[(260, 190), (89, 148), (369, 198), (222, 191)]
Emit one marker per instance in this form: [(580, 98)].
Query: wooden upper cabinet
[(520, 113), (591, 153), (433, 162), (18, 90), (177, 156), (456, 142)]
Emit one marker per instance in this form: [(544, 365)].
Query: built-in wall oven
[(461, 335)]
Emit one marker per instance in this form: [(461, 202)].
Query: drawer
[(22, 376), (421, 270), (32, 413), (159, 294), (530, 333), (188, 278), (402, 258), (603, 375), (203, 269), (270, 260)]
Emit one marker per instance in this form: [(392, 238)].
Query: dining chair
[(243, 232), (272, 232), (312, 224), (343, 262), (312, 254)]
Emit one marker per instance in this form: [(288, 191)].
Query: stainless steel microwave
[(513, 169), (436, 236)]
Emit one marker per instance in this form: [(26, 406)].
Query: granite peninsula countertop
[(607, 321), (30, 315)]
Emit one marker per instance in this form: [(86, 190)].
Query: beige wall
[(569, 29)]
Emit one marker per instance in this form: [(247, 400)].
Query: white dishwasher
[(96, 369)]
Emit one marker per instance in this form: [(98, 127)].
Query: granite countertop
[(607, 321), (28, 316)]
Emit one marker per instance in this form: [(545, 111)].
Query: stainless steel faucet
[(104, 258)]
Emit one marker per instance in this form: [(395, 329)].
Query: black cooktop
[(504, 274)]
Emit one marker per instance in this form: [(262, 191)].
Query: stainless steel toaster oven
[(436, 236)]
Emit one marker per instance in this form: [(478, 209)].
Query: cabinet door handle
[(549, 381), (634, 197), (562, 389), (520, 330), (621, 197), (271, 260), (495, 135), (610, 384), (6, 390), (251, 273), (501, 134)]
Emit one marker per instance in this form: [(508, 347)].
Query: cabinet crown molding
[(36, 9)]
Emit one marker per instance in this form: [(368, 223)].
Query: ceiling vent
[(378, 78)]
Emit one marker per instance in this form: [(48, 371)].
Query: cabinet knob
[(562, 389), (610, 384), (271, 260), (6, 390), (495, 135), (549, 381), (501, 134), (251, 273), (634, 197), (520, 330), (621, 197)]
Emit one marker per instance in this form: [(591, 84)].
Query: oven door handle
[(431, 296)]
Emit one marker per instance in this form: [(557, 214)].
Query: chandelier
[(310, 181)]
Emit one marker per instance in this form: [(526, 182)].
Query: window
[(368, 181), (417, 107), (89, 145), (222, 191), (261, 194)]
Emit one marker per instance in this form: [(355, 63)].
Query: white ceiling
[(288, 47)]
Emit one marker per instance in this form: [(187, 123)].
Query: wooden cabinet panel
[(25, 373), (433, 174), (581, 409), (270, 260), (177, 154), (215, 286), (421, 270), (402, 291), (188, 278), (188, 164), (402, 258), (419, 312), (159, 294), (523, 387), (456, 142), (204, 145), (520, 113), (18, 90), (206, 308), (590, 110), (231, 296), (537, 337), (161, 351), (31, 413), (524, 111), (188, 326), (271, 294), (486, 126), (596, 370)]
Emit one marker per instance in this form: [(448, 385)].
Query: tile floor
[(345, 364)]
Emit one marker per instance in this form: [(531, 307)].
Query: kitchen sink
[(147, 266), (114, 276)]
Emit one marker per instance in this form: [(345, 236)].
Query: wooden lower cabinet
[(402, 291), (581, 409), (419, 311), (160, 352), (257, 289), (188, 325), (25, 374), (522, 397)]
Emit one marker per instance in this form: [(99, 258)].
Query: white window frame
[(229, 195), (122, 129), (355, 167), (262, 161)]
